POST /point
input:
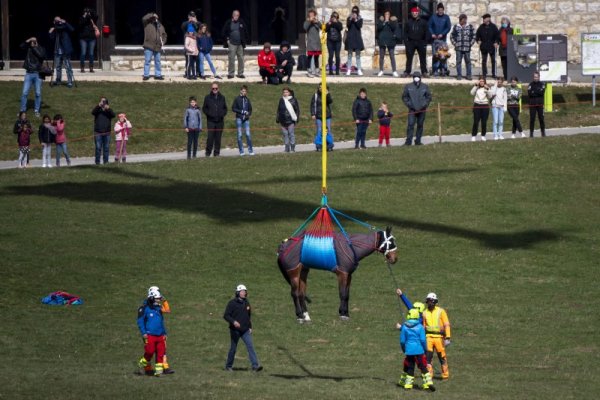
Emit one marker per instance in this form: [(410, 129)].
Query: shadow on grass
[(232, 206), (310, 375)]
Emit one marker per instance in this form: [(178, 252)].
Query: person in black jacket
[(387, 28), (34, 59), (285, 62), (87, 37), (215, 109), (288, 114), (238, 315), (63, 48), (47, 136), (242, 107), (334, 29), (362, 113), (235, 34), (316, 114), (102, 126), (415, 34), (536, 91), (488, 38)]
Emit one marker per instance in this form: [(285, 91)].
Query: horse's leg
[(302, 293), (344, 280), (294, 278)]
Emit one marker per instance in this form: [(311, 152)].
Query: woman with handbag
[(88, 34)]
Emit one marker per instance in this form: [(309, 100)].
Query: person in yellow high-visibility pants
[(165, 308), (437, 332)]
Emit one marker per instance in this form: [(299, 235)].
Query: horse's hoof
[(344, 318)]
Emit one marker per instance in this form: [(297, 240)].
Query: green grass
[(156, 111), (506, 233)]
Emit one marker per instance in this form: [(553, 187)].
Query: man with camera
[(34, 61), (102, 125), (155, 38), (63, 49)]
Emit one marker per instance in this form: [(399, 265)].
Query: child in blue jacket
[(414, 344)]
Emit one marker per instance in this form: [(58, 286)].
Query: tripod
[(164, 53)]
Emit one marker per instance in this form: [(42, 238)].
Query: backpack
[(302, 62), (62, 298)]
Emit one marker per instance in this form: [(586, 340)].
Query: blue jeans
[(87, 48), (32, 78), (192, 143), (459, 57), (102, 141), (247, 338), (498, 120), (419, 119), (61, 148), (148, 54), (361, 134), (243, 126), (59, 59), (319, 136), (349, 63), (201, 58)]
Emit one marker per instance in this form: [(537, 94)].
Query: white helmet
[(239, 288), (431, 296), (155, 294), (153, 289)]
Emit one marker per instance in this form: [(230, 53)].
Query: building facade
[(272, 20)]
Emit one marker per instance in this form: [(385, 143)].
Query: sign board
[(590, 53), (522, 57), (552, 58)]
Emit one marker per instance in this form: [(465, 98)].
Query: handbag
[(45, 71)]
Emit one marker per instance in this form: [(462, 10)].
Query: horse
[(348, 250)]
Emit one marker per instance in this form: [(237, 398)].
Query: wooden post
[(439, 113)]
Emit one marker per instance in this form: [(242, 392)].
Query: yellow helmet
[(413, 313), (419, 306)]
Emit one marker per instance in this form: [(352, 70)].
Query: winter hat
[(414, 9), (191, 28), (284, 43), (416, 73)]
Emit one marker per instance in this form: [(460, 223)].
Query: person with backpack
[(334, 29)]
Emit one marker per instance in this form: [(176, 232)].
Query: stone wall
[(570, 17)]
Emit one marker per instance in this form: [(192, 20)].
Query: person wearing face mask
[(514, 107), (416, 97), (505, 30), (536, 91)]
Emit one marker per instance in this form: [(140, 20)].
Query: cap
[(283, 44), (414, 9), (416, 73)]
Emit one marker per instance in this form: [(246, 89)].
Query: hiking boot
[(168, 371), (402, 380), (408, 382), (228, 369), (258, 368)]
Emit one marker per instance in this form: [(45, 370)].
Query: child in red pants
[(385, 120), (151, 324), (414, 345)]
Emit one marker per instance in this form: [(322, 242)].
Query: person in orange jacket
[(437, 332)]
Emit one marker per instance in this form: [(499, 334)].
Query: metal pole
[(593, 90), (439, 115)]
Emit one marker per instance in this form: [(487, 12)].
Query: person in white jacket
[(122, 132), (499, 107)]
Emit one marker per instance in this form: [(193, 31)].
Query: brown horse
[(348, 254)]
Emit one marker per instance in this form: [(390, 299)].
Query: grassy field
[(506, 233), (156, 111)]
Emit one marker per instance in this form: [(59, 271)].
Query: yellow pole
[(323, 109), (548, 98)]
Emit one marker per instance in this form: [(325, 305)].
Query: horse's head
[(387, 245)]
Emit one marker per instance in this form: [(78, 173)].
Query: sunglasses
[(215, 88)]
